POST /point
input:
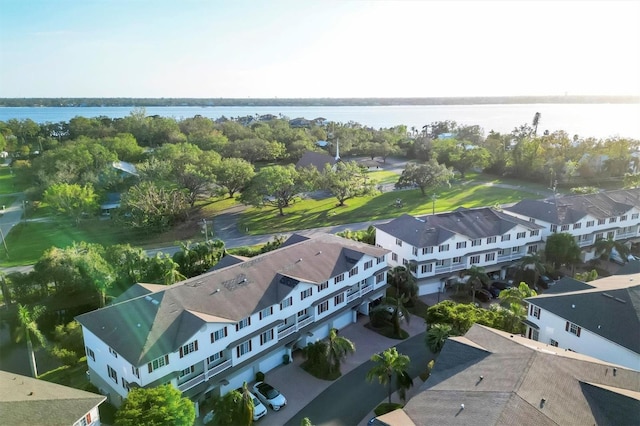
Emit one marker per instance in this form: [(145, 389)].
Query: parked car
[(483, 295), (501, 284), (259, 410), (495, 292), (544, 281), (269, 395)]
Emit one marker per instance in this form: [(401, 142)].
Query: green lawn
[(6, 181), (383, 176), (316, 213)]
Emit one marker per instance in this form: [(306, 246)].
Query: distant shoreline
[(297, 102)]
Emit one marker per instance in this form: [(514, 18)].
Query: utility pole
[(4, 242), (206, 236), (433, 206)]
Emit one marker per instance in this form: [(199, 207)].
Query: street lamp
[(24, 208), (433, 206)]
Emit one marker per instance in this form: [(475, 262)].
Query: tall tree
[(338, 347), (233, 174), (477, 277), (403, 281), (396, 306), (388, 364), (160, 406), (604, 248), (437, 335), (277, 186), (535, 122), (532, 262), (196, 259), (152, 207), (562, 249), (428, 175), (346, 180), (72, 200), (29, 330)]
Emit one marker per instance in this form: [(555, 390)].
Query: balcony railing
[(305, 321), (282, 333), (511, 256), (353, 296), (366, 289), (191, 382), (450, 268), (583, 243), (212, 371), (623, 235)]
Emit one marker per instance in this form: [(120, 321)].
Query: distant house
[(28, 401), (125, 169), (112, 201), (300, 122), (600, 318), (267, 117), (489, 377)]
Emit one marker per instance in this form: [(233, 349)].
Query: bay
[(584, 120)]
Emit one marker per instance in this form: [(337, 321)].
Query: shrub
[(259, 376), (386, 407)]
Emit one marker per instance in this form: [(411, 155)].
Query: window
[(602, 221), (457, 259), (338, 278), (501, 252), (553, 342), (599, 236), (135, 371), (572, 328), (158, 362), (506, 237), (189, 347), (534, 311), (427, 250), (623, 217), (286, 302), (353, 271), (590, 223), (187, 371), (535, 335), (414, 251), (243, 323), (266, 337), (564, 228), (462, 244), (266, 312), (90, 353), (394, 257), (323, 307), (475, 259), (489, 257), (475, 243), (303, 312), (635, 216), (243, 348), (613, 219), (426, 268), (219, 334), (324, 286), (534, 233), (306, 293), (112, 373), (515, 249), (521, 235), (443, 247), (379, 260), (491, 240), (439, 263), (398, 242), (368, 264), (577, 225), (338, 299), (114, 353), (553, 228), (379, 277), (215, 357), (405, 262), (532, 249)]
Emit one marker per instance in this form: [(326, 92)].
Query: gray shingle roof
[(602, 311), (28, 401), (517, 374), (319, 160), (566, 285), (144, 328), (433, 230), (570, 209)]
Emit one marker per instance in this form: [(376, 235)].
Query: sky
[(318, 48)]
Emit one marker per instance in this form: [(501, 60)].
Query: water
[(585, 120)]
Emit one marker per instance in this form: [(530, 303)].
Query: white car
[(259, 410), (269, 395)]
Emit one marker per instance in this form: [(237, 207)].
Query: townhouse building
[(209, 334), (600, 318), (611, 214), (437, 248)]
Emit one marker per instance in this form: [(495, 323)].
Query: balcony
[(282, 333), (218, 368), (191, 382), (510, 256), (584, 243), (366, 289), (449, 268), (304, 321)]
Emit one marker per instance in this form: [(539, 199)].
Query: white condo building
[(437, 248), (209, 334)]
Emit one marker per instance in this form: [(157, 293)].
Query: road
[(347, 401)]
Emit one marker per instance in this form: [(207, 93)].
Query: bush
[(259, 376)]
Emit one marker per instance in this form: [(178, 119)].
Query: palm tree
[(437, 335), (477, 277), (403, 281), (398, 311), (533, 262), (234, 408), (604, 248), (536, 121), (337, 349), (388, 363), (28, 325), (516, 295)]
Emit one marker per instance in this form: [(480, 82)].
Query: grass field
[(317, 213)]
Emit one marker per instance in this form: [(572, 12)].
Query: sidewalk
[(300, 388)]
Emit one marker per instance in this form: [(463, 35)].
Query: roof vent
[(542, 402)]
